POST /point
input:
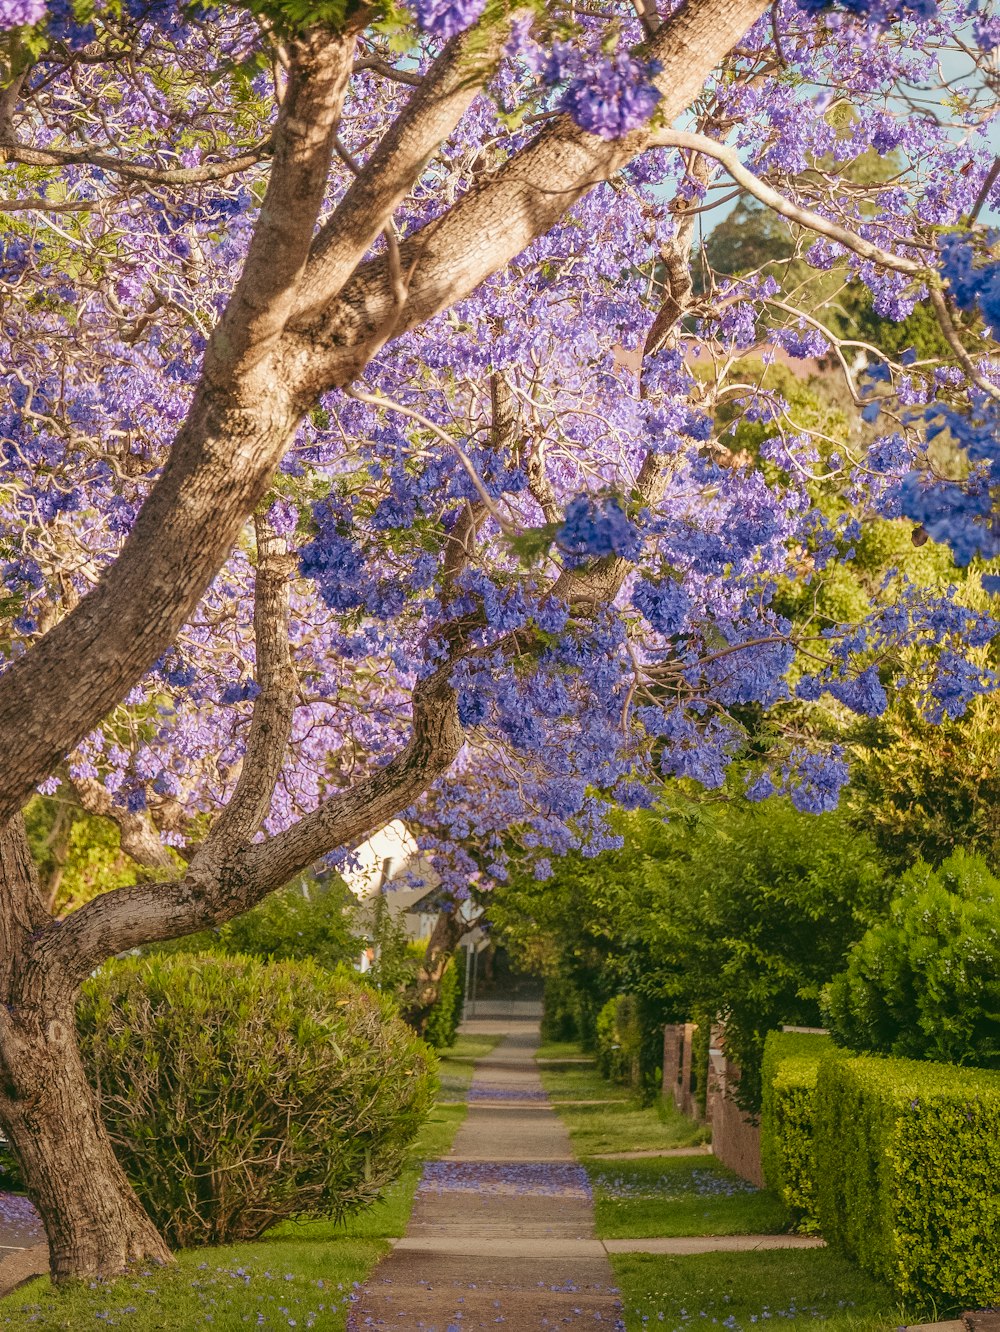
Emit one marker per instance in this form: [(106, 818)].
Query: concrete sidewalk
[(502, 1231), (23, 1250)]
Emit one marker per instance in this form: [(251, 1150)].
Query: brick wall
[(735, 1138)]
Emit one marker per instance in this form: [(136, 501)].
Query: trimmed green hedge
[(790, 1067), (908, 1164)]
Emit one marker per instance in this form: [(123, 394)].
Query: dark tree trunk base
[(95, 1224)]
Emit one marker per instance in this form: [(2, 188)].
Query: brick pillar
[(687, 1102), (671, 1057)]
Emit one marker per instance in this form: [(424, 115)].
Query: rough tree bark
[(305, 317), (94, 1222), (448, 930)]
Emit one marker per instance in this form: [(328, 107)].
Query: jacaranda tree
[(362, 443)]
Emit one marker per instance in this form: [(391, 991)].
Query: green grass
[(301, 1270), (679, 1196), (625, 1126), (579, 1082), (458, 1063), (307, 1279), (749, 1292), (560, 1050)]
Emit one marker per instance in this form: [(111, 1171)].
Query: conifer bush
[(925, 983), (239, 1093)]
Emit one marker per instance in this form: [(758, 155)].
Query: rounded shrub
[(239, 1093), (925, 983)]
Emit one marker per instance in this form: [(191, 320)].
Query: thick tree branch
[(146, 913), (320, 66), (241, 421), (274, 706), (432, 113), (502, 214)]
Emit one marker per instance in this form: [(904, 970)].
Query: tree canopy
[(368, 446)]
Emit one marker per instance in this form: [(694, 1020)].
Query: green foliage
[(734, 910), (908, 1156), (701, 1045), (923, 789), (305, 920), (787, 1148), (78, 855), (560, 1011), (238, 1093), (629, 1044), (925, 983), (618, 1041), (441, 1023), (750, 237)]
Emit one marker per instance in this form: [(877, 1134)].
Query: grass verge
[(743, 1292), (561, 1050), (305, 1282), (579, 1082), (457, 1064), (625, 1126), (679, 1196), (299, 1275)]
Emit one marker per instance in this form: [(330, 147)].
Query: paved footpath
[(502, 1231)]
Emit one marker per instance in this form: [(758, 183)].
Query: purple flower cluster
[(612, 95), (21, 13), (598, 527), (446, 18)]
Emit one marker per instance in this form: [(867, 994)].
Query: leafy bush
[(747, 911), (560, 1010), (908, 1156), (787, 1146), (441, 1026), (238, 1093), (307, 920), (925, 983), (619, 1041), (301, 921)]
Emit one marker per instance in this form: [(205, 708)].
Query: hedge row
[(895, 1161), (788, 1075)]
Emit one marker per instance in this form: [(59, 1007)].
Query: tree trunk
[(448, 929), (95, 1224)]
